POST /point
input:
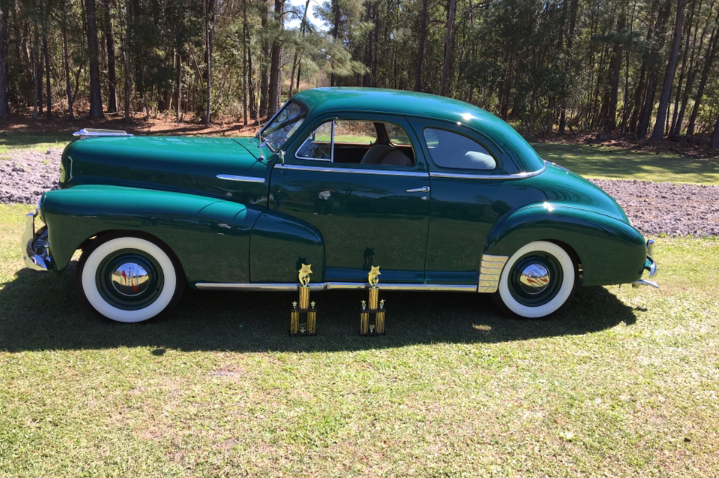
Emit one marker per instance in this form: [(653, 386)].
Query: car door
[(469, 195), (368, 214)]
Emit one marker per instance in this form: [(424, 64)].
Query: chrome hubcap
[(534, 279), (130, 279)]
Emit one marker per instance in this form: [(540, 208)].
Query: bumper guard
[(35, 248)]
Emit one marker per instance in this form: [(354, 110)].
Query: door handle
[(423, 189)]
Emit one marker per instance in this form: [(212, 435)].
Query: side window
[(397, 136), (355, 132), (319, 144), (361, 142), (451, 150)]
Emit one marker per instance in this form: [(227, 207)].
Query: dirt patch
[(653, 208), (161, 124)]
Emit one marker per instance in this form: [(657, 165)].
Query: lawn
[(10, 141), (614, 163), (623, 383)]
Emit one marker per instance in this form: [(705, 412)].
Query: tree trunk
[(264, 67), (209, 21), (178, 89), (276, 63), (683, 69), (335, 31), (95, 96), (573, 7), (35, 72), (692, 73), (447, 47), (128, 44), (4, 106), (250, 76), (111, 68), (65, 62), (711, 53), (45, 15), (422, 39), (657, 135), (611, 120), (646, 115)]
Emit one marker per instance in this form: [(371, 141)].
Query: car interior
[(361, 142)]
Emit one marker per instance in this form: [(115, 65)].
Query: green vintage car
[(442, 195)]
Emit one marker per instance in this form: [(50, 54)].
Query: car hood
[(186, 164)]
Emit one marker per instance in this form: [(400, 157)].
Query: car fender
[(609, 250), (209, 236)]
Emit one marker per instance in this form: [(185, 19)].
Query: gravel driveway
[(653, 208)]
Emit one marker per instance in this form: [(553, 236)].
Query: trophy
[(375, 309), (304, 307)]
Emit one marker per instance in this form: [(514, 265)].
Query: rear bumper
[(650, 265), (35, 248)]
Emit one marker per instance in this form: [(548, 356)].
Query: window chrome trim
[(317, 286), (436, 174), (376, 172), (246, 179)]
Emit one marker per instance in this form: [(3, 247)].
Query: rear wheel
[(536, 281), (129, 279)]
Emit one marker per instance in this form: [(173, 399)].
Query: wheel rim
[(535, 279), (129, 279)]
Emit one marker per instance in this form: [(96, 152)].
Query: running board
[(334, 286)]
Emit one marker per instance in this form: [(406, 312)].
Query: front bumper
[(35, 248)]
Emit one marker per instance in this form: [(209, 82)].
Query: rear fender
[(210, 237), (610, 251)]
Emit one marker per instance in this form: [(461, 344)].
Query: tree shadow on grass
[(42, 311)]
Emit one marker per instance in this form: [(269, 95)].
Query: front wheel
[(129, 279), (536, 281)]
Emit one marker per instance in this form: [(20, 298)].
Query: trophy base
[(311, 324), (375, 313)]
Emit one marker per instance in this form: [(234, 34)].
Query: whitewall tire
[(536, 281), (129, 279)]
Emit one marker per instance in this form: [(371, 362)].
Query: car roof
[(408, 103)]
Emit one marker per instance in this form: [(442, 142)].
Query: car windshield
[(283, 125)]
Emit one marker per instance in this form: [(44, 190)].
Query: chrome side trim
[(377, 172), (91, 133), (490, 272), (333, 286), (436, 174), (246, 179), (32, 260)]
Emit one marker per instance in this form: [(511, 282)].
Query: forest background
[(635, 68)]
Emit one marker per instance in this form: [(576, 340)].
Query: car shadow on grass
[(43, 311)]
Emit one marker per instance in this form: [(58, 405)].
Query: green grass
[(615, 163), (37, 141), (623, 383)]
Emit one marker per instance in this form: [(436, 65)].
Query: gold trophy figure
[(372, 307), (310, 328)]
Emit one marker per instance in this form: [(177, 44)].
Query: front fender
[(209, 236), (610, 251)]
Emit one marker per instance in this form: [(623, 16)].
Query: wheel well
[(578, 268), (112, 234)]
